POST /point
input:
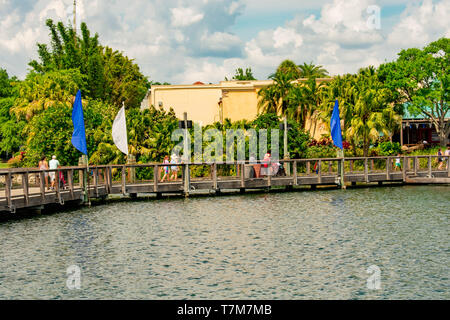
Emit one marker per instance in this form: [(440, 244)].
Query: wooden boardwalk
[(25, 187)]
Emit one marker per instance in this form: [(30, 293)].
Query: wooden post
[(372, 165), (295, 173), (96, 181), (70, 181), (187, 156), (308, 167), (124, 180), (58, 189), (25, 188), (415, 163), (448, 166), (187, 181), (388, 168), (366, 171), (351, 166), (214, 175), (155, 178), (320, 171), (8, 185), (42, 186), (330, 167), (269, 174), (405, 161), (131, 159), (429, 167), (110, 179), (242, 175), (342, 173)]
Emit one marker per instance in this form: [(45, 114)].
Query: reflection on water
[(296, 245)]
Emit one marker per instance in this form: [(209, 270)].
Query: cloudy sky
[(205, 40)]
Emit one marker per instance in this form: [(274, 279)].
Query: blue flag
[(335, 125), (79, 133)]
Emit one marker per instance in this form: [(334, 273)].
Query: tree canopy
[(419, 79), (110, 76)]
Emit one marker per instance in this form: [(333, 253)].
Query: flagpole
[(88, 184)]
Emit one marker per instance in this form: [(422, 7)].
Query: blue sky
[(206, 40)]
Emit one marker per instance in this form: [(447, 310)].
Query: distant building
[(417, 129), (209, 103)]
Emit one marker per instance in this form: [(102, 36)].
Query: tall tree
[(420, 79), (288, 68), (242, 75), (371, 99), (309, 70), (111, 76)]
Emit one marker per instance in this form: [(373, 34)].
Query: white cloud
[(283, 36), (183, 17), (183, 41), (421, 24)]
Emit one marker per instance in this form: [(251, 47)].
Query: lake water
[(296, 245)]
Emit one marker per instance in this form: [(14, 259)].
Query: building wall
[(201, 104), (240, 104)]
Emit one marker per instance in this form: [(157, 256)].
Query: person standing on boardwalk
[(166, 169), (174, 160), (53, 165), (447, 153), (43, 165), (266, 169), (397, 162), (440, 160)]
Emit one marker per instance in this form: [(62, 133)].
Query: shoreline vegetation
[(35, 113)]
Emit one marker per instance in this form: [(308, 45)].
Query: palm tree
[(287, 67), (268, 101), (391, 121), (276, 96), (367, 122), (309, 70)]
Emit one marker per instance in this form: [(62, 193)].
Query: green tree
[(309, 70), (242, 75), (420, 79), (289, 68), (110, 76), (278, 95), (372, 98)]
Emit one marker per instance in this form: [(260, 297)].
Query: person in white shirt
[(53, 165), (447, 153)]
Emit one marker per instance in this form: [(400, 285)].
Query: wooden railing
[(26, 187)]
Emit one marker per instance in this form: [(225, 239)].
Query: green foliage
[(320, 152), (110, 76), (51, 132), (5, 84), (309, 70), (11, 130), (241, 75), (421, 79), (40, 91), (388, 148)]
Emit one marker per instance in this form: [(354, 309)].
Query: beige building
[(209, 103)]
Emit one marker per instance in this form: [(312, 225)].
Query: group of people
[(440, 158), (268, 167), (53, 164), (171, 174)]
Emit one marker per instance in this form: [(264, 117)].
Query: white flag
[(119, 131)]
